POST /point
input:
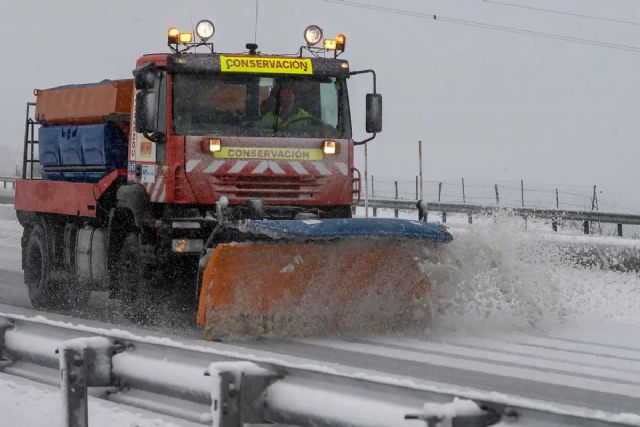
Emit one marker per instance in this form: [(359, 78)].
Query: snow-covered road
[(24, 403), (514, 319)]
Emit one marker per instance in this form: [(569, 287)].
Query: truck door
[(147, 151)]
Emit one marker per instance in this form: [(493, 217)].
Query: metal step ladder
[(31, 168)]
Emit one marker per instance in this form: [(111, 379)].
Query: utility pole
[(420, 161)]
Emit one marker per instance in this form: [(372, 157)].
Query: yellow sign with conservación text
[(268, 153), (244, 64)]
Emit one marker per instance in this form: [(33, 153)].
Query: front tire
[(135, 282)]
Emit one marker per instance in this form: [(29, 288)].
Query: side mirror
[(374, 113), (146, 112), (374, 109), (148, 81), (145, 78)]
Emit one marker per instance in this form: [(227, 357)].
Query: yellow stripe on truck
[(243, 64), (268, 153)]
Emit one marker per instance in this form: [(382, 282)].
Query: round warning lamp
[(312, 35), (205, 29)]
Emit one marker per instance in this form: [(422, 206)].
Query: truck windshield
[(254, 105)]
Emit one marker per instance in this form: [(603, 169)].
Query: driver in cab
[(283, 111)]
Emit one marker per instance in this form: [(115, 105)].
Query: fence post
[(444, 216), (373, 195), (464, 198), (619, 230), (439, 191), (497, 195), (522, 191), (557, 200), (585, 226), (395, 211), (417, 194)]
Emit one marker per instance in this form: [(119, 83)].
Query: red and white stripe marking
[(157, 190), (264, 166)]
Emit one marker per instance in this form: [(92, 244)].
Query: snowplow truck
[(225, 181)]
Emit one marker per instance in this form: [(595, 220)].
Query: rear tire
[(44, 292), (47, 290)]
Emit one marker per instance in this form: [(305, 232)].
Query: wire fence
[(502, 193)]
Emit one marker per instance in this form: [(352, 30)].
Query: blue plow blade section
[(330, 229)]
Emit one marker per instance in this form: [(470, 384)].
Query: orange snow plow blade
[(308, 287)]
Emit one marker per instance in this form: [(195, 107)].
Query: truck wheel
[(133, 286), (44, 292)]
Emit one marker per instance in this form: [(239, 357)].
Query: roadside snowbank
[(505, 278)]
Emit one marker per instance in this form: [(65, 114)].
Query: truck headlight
[(185, 38), (205, 29), (184, 246), (212, 145), (329, 147), (329, 44), (312, 35)]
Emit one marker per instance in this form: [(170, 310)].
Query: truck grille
[(299, 188)]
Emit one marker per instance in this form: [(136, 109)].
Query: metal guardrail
[(218, 388), (555, 215), (8, 182)]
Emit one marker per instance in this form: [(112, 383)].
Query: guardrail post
[(422, 210), (619, 230), (585, 226), (4, 325), (84, 362), (238, 393)]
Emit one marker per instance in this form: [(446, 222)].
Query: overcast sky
[(488, 104)]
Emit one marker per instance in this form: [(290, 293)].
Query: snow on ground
[(496, 278), (24, 403)]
